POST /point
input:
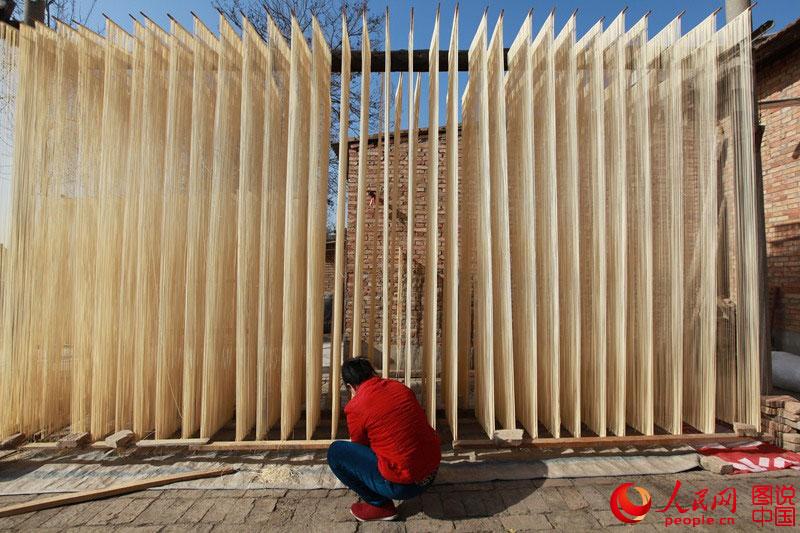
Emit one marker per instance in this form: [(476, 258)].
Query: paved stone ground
[(561, 504)]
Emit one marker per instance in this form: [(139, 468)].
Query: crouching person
[(393, 453)]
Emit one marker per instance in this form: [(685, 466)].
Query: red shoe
[(365, 512)]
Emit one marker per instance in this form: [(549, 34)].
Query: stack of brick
[(780, 421)]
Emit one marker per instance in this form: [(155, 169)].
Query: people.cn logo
[(624, 509)]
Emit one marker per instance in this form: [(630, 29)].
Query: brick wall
[(780, 153), (373, 233)]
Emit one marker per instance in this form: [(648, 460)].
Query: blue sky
[(662, 11), (781, 11)]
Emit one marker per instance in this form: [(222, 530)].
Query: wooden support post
[(120, 439), (74, 440)]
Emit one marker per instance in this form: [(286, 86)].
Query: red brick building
[(373, 230), (777, 79)]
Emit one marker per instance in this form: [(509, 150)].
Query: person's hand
[(352, 391)]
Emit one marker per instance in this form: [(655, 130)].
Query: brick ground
[(534, 505)]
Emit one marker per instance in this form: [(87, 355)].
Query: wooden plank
[(40, 446), (120, 439), (639, 441), (170, 443), (430, 315), (418, 60), (361, 200), (114, 490), (341, 222), (74, 440), (262, 445)]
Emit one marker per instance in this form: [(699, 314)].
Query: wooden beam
[(114, 490), (74, 440), (159, 443), (120, 439), (399, 60), (262, 445), (607, 442)]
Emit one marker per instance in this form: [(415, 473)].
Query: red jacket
[(385, 415)]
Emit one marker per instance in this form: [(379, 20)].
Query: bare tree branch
[(329, 16)]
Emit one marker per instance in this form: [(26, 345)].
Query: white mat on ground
[(93, 470)]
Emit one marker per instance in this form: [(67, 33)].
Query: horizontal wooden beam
[(399, 61), (779, 102), (608, 442), (262, 445), (114, 490), (162, 443)]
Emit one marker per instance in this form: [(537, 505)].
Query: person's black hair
[(356, 371)]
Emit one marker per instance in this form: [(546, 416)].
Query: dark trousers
[(356, 466)]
